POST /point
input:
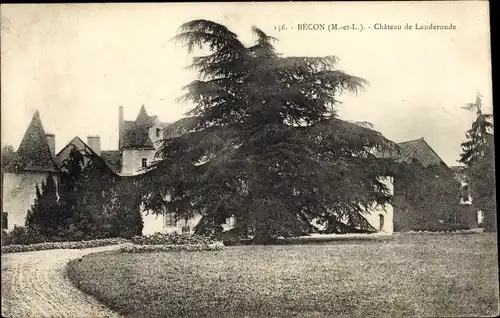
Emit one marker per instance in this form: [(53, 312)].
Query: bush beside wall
[(138, 248), (171, 239), (169, 242), (62, 245), (22, 235)]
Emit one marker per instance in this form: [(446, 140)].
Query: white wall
[(152, 134), (132, 160), (387, 211), (19, 193), (156, 223)]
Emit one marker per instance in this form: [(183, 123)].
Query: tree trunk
[(331, 226)]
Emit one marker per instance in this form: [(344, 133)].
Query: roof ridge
[(412, 140)]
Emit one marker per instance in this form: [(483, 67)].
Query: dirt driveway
[(34, 284)]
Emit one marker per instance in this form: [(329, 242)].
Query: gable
[(84, 148), (417, 149), (423, 153), (64, 153)]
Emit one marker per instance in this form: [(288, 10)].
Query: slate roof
[(113, 159), (143, 119), (408, 152), (33, 153), (136, 133), (407, 147)]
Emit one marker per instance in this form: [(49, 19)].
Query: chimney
[(120, 127), (94, 142), (51, 140)]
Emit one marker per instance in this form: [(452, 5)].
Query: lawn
[(418, 275)]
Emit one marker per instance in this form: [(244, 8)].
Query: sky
[(77, 63)]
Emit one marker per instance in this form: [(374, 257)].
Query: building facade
[(32, 165), (36, 160), (139, 141)]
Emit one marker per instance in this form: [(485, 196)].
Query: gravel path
[(34, 284)]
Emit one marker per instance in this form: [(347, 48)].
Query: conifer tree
[(87, 191), (45, 212), (127, 208), (71, 186), (479, 157), (263, 142)]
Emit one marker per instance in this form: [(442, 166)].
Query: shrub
[(138, 248), (229, 238), (62, 245), (441, 227), (130, 222), (171, 239), (6, 238), (128, 209), (22, 235)]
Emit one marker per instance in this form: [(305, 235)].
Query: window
[(381, 222), (158, 132), (144, 162), (230, 221), (169, 220), (480, 218), (5, 225)]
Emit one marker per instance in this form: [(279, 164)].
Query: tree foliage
[(44, 214), (478, 154), (127, 208), (93, 202), (263, 142), (8, 155), (432, 195)]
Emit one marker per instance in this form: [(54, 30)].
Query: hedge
[(436, 232), (62, 245), (139, 248), (171, 239), (170, 242), (441, 227)]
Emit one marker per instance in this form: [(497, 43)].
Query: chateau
[(37, 159), (138, 141)]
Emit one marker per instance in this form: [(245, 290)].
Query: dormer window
[(158, 130)]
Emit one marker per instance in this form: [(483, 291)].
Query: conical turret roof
[(33, 153)]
